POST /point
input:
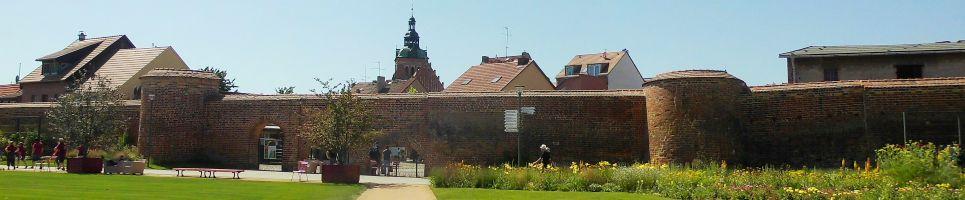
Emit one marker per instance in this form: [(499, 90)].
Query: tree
[(90, 115), (285, 90), (344, 124), (227, 85)]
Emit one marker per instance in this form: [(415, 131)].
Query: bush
[(920, 162), (918, 171)]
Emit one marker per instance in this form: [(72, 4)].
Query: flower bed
[(853, 180)]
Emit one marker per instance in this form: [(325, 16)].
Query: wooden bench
[(209, 172)]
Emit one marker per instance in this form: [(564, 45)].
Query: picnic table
[(209, 172)]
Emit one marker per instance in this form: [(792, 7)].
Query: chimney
[(523, 59), (81, 36), (485, 59), (380, 83)]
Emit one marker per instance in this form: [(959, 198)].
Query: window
[(50, 68), (596, 69), (831, 74), (573, 69), (137, 93), (33, 98), (496, 79), (43, 98), (466, 82), (908, 71)]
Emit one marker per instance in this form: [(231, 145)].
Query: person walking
[(544, 156), (60, 153), (38, 151), (9, 152), (374, 159), (22, 154), (386, 159)]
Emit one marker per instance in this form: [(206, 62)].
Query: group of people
[(14, 153), (382, 158)]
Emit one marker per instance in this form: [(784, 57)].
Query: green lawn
[(41, 185), (473, 193)]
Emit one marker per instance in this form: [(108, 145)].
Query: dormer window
[(53, 68), (572, 69), (496, 79), (596, 69)]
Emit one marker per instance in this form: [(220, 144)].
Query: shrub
[(921, 162), (916, 171)]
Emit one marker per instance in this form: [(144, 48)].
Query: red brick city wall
[(446, 128), (819, 124), (814, 124), (693, 118), (173, 114), (30, 113)]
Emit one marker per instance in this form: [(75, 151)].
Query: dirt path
[(397, 191)]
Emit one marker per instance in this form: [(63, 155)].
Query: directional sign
[(511, 121), (528, 110)]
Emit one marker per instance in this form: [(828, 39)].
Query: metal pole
[(904, 129), (519, 126), (958, 118)]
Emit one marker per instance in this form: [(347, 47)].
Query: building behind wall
[(869, 62), (413, 71), (601, 71), (113, 58), (502, 74)]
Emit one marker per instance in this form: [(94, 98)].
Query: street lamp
[(519, 123)]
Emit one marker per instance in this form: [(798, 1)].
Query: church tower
[(411, 57), (412, 64)]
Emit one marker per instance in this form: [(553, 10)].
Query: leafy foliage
[(345, 123), (922, 162), (913, 171), (90, 115), (285, 90), (227, 85)]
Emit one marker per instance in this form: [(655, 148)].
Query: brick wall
[(818, 124), (692, 114), (445, 128)]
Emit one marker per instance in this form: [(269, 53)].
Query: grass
[(473, 193), (40, 185)]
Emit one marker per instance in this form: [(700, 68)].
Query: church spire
[(411, 43)]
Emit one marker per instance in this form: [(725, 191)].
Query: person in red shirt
[(38, 151), (21, 154), (11, 157), (60, 152)]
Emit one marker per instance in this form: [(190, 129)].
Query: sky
[(269, 44)]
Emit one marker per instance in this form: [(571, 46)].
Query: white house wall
[(625, 75)]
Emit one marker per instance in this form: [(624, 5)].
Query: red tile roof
[(102, 44), (488, 77), (9, 91), (611, 58)]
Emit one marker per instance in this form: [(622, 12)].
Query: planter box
[(85, 165), (340, 174)]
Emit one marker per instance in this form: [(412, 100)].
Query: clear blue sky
[(268, 45)]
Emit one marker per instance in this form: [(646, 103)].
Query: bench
[(209, 172)]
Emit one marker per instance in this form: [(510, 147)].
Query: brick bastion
[(677, 117)]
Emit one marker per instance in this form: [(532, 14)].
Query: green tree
[(90, 115), (285, 90), (344, 124), (227, 85)]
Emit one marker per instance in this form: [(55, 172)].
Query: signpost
[(511, 120)]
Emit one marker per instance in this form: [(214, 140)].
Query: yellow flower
[(944, 186)]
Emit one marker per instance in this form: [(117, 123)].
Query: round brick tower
[(692, 115), (172, 113)]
